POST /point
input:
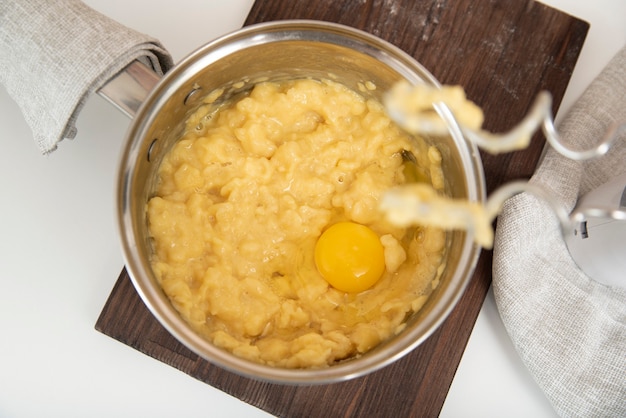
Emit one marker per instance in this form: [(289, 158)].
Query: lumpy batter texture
[(244, 196)]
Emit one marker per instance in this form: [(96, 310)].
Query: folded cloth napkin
[(54, 54), (569, 330)]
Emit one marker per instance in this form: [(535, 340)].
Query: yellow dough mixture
[(242, 200)]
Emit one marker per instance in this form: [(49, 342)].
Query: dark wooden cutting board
[(503, 52)]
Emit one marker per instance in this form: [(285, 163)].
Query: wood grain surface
[(503, 52)]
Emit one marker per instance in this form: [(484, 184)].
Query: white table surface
[(59, 255)]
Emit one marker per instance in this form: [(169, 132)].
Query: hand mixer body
[(598, 244)]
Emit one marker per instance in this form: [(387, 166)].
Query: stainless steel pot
[(279, 50)]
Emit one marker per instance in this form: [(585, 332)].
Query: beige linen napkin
[(54, 54), (569, 330)]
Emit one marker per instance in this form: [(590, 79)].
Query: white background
[(59, 255)]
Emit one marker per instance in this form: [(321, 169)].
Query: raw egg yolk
[(350, 257)]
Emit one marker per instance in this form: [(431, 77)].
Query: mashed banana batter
[(243, 198)]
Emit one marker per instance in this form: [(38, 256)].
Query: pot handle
[(54, 55), (128, 89)]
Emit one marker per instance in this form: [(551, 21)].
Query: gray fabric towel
[(569, 330), (54, 54)]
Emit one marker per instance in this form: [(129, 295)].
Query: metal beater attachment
[(422, 109)]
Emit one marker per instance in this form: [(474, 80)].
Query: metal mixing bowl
[(279, 50)]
